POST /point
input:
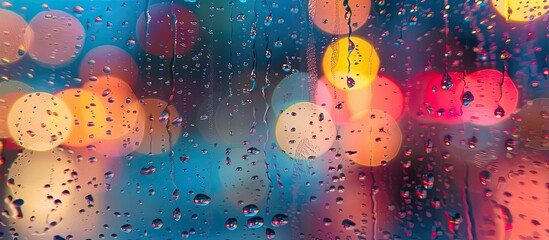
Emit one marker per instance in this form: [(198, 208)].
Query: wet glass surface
[(265, 119)]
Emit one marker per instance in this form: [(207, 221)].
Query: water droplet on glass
[(202, 199), (348, 224), (255, 222), (499, 112), (350, 82), (467, 98), (231, 223), (270, 233), (351, 46), (157, 223), (176, 215), (279, 220), (250, 210), (126, 228), (446, 82), (428, 180)]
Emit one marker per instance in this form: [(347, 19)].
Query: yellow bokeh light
[(305, 131), (157, 140), (10, 91), (521, 11), (53, 193), (39, 121), (361, 64), (371, 137), (89, 116)]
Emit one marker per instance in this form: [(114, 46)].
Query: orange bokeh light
[(157, 140), (125, 117), (383, 94), (371, 138), (329, 15), (89, 116)]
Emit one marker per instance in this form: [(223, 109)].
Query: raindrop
[(231, 223), (255, 222), (126, 228), (250, 210), (348, 224), (157, 223), (279, 220), (467, 98), (270, 233), (176, 215), (202, 199)]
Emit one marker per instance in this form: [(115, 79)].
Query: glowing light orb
[(108, 60), (485, 86), (10, 91), (305, 131), (120, 102), (333, 100), (39, 121), (532, 122), (292, 89), (125, 117), (520, 196), (57, 38), (383, 94), (13, 45), (521, 10), (329, 16), (157, 140), (89, 116), (363, 63), (160, 35), (53, 195), (371, 138), (429, 102)]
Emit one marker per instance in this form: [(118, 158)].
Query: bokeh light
[(53, 196), (89, 116), (13, 45), (356, 59), (9, 93), (520, 192), (491, 90), (429, 102), (60, 48), (334, 100), (383, 94), (159, 115), (39, 121), (292, 89), (108, 60), (329, 15), (157, 37), (125, 117), (372, 138), (521, 11), (305, 131)]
